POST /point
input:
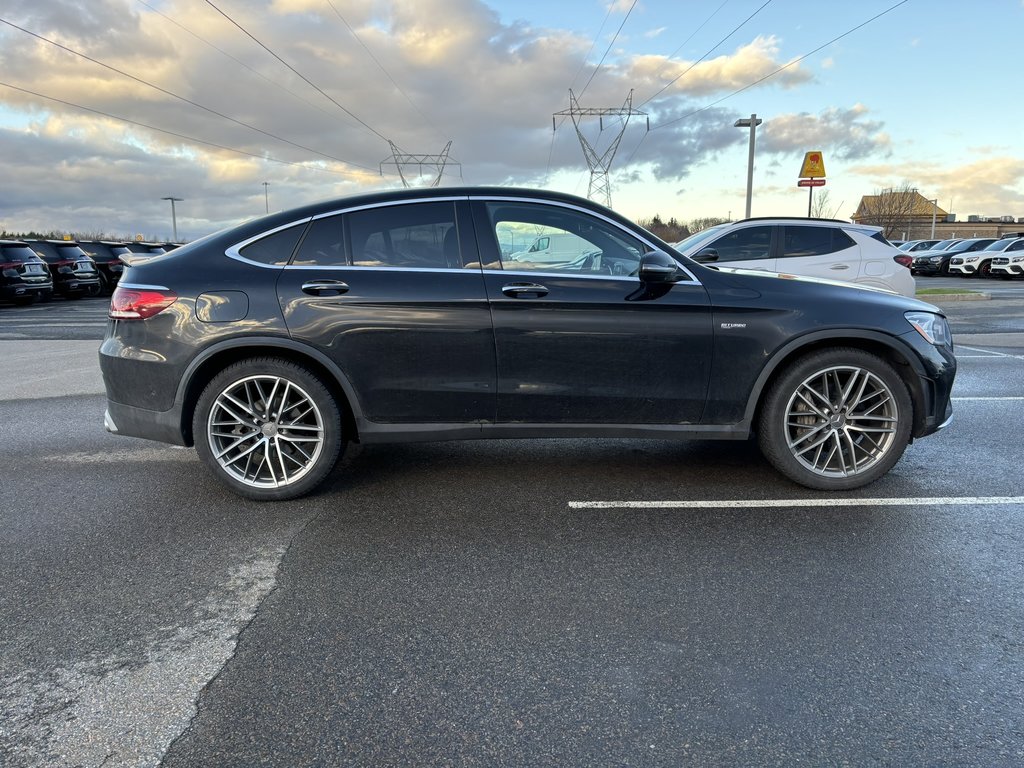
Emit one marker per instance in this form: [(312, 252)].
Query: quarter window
[(542, 238), (747, 244), (274, 249)]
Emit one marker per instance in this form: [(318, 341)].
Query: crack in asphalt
[(119, 710)]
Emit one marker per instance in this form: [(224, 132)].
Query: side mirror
[(705, 256), (658, 267)]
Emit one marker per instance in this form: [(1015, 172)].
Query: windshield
[(944, 244), (907, 245), (700, 237), (1000, 245)]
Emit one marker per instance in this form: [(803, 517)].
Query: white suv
[(837, 250)]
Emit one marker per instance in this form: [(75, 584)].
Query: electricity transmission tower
[(600, 188), (403, 160)]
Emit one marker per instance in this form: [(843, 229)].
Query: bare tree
[(670, 231), (821, 205), (696, 225), (891, 209)]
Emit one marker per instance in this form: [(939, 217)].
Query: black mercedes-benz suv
[(24, 277), (415, 315), (74, 273)]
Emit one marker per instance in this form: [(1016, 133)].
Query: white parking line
[(969, 399), (988, 353), (911, 501)]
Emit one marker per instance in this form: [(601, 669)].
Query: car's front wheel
[(836, 419), (268, 429)]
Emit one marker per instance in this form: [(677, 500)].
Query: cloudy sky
[(306, 94)]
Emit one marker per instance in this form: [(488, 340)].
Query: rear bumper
[(127, 420), (17, 290)]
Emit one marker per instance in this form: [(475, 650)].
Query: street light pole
[(266, 195), (752, 123), (174, 214), (935, 206)]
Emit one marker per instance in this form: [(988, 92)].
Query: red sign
[(811, 183)]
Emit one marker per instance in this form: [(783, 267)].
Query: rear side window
[(274, 249), (746, 244), (814, 241), (880, 238), (414, 236)]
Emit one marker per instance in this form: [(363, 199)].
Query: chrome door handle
[(515, 290), (840, 266), (325, 287)]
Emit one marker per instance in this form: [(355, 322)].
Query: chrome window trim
[(233, 251), (574, 275), (142, 286), (335, 267)]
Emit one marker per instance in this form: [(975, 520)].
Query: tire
[(814, 444), (984, 269), (259, 453)]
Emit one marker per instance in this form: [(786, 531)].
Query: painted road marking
[(989, 353), (969, 399), (911, 501)]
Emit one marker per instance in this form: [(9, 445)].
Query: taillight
[(10, 268), (64, 266), (139, 303), (906, 261)]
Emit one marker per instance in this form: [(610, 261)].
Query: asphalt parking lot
[(559, 602)]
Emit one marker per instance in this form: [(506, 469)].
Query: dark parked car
[(107, 257), (24, 277), (74, 273), (936, 262), (394, 317), (146, 249)]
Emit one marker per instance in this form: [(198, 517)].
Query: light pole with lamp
[(751, 123), (266, 195), (174, 214)]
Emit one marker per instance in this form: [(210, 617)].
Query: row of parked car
[(35, 270), (969, 257)]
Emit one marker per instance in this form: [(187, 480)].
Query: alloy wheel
[(841, 421), (265, 431)]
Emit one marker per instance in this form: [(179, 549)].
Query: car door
[(383, 291), (580, 340), (820, 251)]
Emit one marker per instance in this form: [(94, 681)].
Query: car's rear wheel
[(836, 419), (268, 429)]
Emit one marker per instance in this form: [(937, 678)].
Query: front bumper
[(1007, 269)]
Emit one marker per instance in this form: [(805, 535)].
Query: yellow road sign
[(814, 166)]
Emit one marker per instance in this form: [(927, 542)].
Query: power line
[(692, 34), (711, 50), (381, 66), (600, 29), (766, 77), (293, 69), (178, 97), (614, 38), (221, 51), (783, 67), (179, 135)]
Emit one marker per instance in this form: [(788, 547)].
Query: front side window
[(1017, 246), (747, 244), (543, 238)]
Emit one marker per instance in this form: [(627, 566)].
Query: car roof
[(813, 221)]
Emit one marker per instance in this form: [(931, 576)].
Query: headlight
[(935, 259), (1016, 259), (933, 328), (969, 259)]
